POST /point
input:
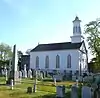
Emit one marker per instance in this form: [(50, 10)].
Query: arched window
[(47, 62), (79, 29), (37, 62), (76, 30), (69, 61), (57, 61)]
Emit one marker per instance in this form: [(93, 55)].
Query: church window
[(69, 61), (76, 29), (57, 61), (47, 62), (37, 62), (79, 29)]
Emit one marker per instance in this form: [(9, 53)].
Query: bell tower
[(77, 34)]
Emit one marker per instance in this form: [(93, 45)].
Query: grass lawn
[(44, 89)]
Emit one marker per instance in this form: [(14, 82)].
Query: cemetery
[(29, 86), (39, 84)]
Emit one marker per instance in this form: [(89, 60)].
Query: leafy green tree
[(5, 53), (19, 53), (28, 51), (92, 30)]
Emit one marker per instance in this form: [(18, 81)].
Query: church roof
[(57, 46), (76, 19)]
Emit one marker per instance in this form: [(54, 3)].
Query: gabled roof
[(57, 46)]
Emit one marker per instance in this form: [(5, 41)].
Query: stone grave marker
[(2, 72), (86, 92), (12, 84), (74, 91), (41, 74), (77, 82), (55, 81), (24, 72), (73, 78), (60, 91), (29, 73), (80, 78), (35, 83), (20, 74), (5, 71), (29, 90), (58, 77)]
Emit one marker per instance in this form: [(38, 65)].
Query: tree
[(28, 51), (19, 53), (5, 54), (92, 30)]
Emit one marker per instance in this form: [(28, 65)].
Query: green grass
[(45, 89)]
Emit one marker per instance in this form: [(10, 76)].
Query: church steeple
[(77, 37), (76, 26)]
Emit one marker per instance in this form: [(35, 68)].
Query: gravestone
[(14, 74), (77, 82), (60, 91), (86, 92), (12, 84), (55, 81), (80, 78), (24, 72), (33, 72), (74, 91), (35, 83), (2, 72), (58, 77), (73, 78), (29, 90), (5, 72), (20, 74), (29, 73), (41, 74)]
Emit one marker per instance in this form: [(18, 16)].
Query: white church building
[(65, 56)]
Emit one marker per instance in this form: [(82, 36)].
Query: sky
[(29, 22)]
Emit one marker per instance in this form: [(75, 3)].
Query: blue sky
[(27, 22)]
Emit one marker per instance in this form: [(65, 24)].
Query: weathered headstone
[(2, 72), (86, 92), (80, 78), (29, 90), (25, 72), (74, 91), (29, 73), (41, 75), (77, 82), (6, 75), (60, 91), (58, 77), (55, 81), (5, 71), (20, 74), (12, 84), (35, 83), (73, 78)]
